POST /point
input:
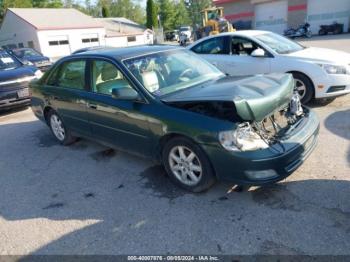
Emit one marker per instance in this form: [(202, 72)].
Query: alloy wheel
[(57, 127), (185, 165)]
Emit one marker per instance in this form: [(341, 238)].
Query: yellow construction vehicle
[(214, 22)]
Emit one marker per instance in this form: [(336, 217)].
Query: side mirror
[(125, 93), (258, 53)]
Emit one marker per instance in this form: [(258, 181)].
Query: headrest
[(109, 72), (150, 80)]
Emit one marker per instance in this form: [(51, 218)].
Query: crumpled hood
[(254, 97), (322, 55)]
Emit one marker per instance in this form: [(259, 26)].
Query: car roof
[(128, 52)]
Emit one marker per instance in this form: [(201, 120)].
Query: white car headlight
[(244, 138), (38, 74), (334, 69)]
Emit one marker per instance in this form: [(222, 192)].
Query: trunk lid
[(254, 97)]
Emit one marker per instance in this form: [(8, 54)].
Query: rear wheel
[(187, 165), (61, 133), (304, 87)]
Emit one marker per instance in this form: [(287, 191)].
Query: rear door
[(65, 91)]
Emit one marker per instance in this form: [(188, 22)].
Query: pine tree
[(151, 15)]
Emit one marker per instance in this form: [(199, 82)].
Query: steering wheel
[(185, 72)]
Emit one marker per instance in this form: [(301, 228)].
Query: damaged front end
[(255, 135)]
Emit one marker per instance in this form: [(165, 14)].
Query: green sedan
[(169, 104)]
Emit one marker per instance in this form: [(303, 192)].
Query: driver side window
[(242, 46), (105, 77)]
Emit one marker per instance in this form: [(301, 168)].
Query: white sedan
[(318, 72)]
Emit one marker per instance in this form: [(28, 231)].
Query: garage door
[(58, 46), (271, 16), (324, 12), (88, 40)]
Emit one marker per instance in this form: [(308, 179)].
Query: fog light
[(261, 174)]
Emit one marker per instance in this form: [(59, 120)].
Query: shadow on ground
[(137, 209)]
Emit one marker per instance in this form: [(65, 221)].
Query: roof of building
[(119, 26), (129, 52), (56, 18)]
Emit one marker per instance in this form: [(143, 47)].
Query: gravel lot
[(86, 199)]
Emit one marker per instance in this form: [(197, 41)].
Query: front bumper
[(238, 167), (329, 86)]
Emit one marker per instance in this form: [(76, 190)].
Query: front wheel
[(187, 165), (308, 34), (61, 133), (304, 87)]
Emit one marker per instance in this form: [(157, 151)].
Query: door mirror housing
[(125, 93), (258, 53)]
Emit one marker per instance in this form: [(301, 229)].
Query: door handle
[(92, 106)]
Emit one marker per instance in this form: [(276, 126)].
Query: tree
[(167, 13), (105, 11), (151, 14), (13, 3), (47, 3), (194, 8), (181, 15)]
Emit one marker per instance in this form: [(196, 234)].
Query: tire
[(308, 87), (179, 169), (308, 34), (58, 129)]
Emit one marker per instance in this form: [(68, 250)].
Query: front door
[(121, 123), (240, 62)]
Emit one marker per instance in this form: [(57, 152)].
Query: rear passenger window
[(105, 77), (71, 75)]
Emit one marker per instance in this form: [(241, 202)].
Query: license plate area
[(23, 93)]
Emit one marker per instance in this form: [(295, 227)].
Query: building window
[(89, 40), (20, 45), (31, 44), (59, 42), (131, 38)]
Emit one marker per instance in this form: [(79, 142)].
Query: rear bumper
[(269, 165)]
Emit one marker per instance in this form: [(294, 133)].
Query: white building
[(53, 32), (57, 32), (124, 32)]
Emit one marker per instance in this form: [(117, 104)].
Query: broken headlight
[(244, 138)]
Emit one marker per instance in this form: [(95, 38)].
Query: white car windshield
[(170, 71), (279, 44)]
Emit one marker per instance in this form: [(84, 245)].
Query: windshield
[(167, 72), (26, 53), (7, 62), (279, 44)]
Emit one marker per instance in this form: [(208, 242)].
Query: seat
[(150, 80), (111, 78)]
